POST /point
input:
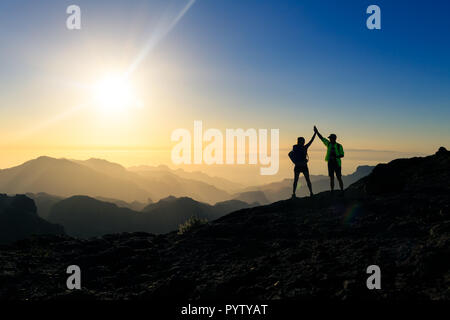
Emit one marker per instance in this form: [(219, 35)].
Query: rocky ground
[(307, 248)]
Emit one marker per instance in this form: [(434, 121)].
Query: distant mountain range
[(83, 216), (109, 191), (220, 183), (95, 197), (103, 179), (65, 178), (44, 202), (135, 187)]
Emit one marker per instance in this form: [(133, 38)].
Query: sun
[(114, 93)]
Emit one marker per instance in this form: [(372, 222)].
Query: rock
[(441, 151)]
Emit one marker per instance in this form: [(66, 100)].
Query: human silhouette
[(335, 152), (299, 156)]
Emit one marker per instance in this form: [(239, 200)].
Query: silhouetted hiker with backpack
[(299, 156), (335, 152)]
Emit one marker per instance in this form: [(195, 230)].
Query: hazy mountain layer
[(221, 183), (134, 188), (62, 177), (103, 179)]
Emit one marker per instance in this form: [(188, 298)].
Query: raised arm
[(318, 133), (325, 141), (311, 141)]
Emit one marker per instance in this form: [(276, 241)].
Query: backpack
[(298, 155)]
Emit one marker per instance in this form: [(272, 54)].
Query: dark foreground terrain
[(319, 247)]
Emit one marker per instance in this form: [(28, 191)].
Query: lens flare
[(351, 212)]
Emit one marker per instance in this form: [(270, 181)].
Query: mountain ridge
[(100, 178), (85, 217)]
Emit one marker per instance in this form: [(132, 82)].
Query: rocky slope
[(308, 248)]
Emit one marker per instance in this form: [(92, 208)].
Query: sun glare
[(114, 93)]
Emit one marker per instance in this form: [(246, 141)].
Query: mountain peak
[(173, 198), (43, 159)]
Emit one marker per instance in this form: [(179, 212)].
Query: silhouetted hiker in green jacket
[(299, 156), (334, 154)]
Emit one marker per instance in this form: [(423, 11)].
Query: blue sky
[(254, 63), (318, 51)]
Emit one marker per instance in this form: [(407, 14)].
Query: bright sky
[(232, 64)]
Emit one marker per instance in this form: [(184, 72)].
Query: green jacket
[(338, 149)]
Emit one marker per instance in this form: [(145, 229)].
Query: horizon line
[(146, 148)]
